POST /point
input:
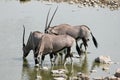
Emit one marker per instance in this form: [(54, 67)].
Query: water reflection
[(30, 72), (33, 73), (111, 4), (84, 64)]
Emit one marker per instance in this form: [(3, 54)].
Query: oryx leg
[(42, 59), (51, 56), (36, 59), (68, 54), (81, 46), (61, 55), (78, 49), (55, 57), (85, 43)]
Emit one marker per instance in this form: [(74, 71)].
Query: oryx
[(51, 44), (77, 32), (32, 43)]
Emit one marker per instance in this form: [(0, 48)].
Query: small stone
[(116, 63), (98, 78), (74, 78), (111, 78), (93, 71), (105, 68), (59, 78), (45, 68), (54, 71), (82, 76), (38, 77), (63, 70), (117, 74), (104, 59), (59, 75)]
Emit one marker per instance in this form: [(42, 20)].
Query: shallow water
[(103, 22)]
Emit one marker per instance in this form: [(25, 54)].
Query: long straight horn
[(47, 20), (23, 35), (52, 16)]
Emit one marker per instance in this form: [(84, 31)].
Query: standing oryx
[(51, 44), (77, 32)]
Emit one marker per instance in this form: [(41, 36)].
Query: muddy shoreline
[(111, 4)]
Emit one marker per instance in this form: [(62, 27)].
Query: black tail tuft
[(94, 40)]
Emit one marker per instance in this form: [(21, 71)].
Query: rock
[(98, 78), (93, 71), (54, 71), (63, 70), (117, 74), (111, 78), (82, 76), (73, 78), (38, 77), (59, 78), (59, 71), (59, 75), (45, 68), (104, 59), (79, 73), (116, 63), (105, 68)]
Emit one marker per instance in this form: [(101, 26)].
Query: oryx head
[(26, 48), (52, 30)]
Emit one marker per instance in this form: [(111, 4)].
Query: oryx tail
[(94, 40)]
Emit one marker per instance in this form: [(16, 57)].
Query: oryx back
[(54, 43), (60, 42)]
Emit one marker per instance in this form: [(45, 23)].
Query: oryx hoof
[(37, 65), (24, 58)]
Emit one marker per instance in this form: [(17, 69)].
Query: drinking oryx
[(32, 43)]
